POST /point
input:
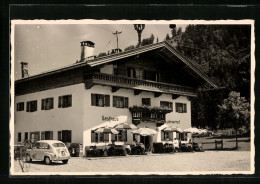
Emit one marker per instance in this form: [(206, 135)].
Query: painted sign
[(109, 118)]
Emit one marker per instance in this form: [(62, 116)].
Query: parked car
[(48, 151)]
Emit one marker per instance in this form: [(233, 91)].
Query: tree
[(234, 112), (130, 47), (102, 54), (148, 41), (167, 37)]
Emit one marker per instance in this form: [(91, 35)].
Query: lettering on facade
[(177, 122), (109, 118)]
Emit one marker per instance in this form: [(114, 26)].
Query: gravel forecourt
[(177, 162)]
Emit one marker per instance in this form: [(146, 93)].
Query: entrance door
[(147, 141)]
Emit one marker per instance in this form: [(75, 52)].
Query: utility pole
[(117, 33)]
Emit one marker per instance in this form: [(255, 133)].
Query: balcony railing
[(139, 84)]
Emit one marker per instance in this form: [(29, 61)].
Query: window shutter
[(51, 103), (93, 100), (107, 100), (113, 137), (176, 107), (51, 135), (69, 100), (60, 102), (17, 106), (43, 104), (93, 136), (59, 135), (42, 135), (171, 106), (170, 136), (185, 107), (126, 102), (27, 107), (69, 136), (114, 101), (162, 135)]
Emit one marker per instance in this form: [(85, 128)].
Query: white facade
[(81, 118)]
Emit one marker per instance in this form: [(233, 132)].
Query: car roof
[(50, 141)]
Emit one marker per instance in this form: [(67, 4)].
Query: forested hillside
[(223, 53)]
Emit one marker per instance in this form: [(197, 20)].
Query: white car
[(48, 151)]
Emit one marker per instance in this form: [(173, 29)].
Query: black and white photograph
[(136, 97)]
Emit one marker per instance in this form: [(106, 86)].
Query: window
[(100, 100), (26, 136), (64, 135), (121, 136), (131, 72), (99, 137), (139, 73), (165, 136), (146, 101), (35, 136), (47, 103), (181, 107), (47, 135), (65, 101), (31, 106), (150, 75), (165, 104), (19, 137), (120, 102), (20, 106)]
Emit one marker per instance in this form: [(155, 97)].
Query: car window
[(45, 146), (37, 145), (58, 145)]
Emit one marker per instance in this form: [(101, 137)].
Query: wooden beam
[(137, 92), (114, 89), (174, 96), (156, 94)]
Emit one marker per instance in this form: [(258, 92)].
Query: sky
[(50, 46)]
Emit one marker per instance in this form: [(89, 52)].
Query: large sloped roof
[(114, 57)]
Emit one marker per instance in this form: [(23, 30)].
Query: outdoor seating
[(186, 147), (117, 150), (168, 148), (158, 147), (139, 149), (197, 146)]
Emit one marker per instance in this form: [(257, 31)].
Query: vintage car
[(48, 151)]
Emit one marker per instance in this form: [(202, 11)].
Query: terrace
[(138, 85)]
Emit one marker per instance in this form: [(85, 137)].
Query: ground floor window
[(19, 137), (47, 103), (31, 106), (99, 137), (64, 136), (166, 136), (181, 107), (121, 136), (47, 135), (65, 101), (100, 100), (35, 136), (120, 102), (20, 106), (165, 104)]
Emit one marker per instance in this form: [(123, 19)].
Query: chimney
[(24, 67), (87, 50)]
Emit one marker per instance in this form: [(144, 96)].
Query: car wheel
[(65, 161), (28, 158), (47, 160)]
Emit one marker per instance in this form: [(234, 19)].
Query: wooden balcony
[(137, 84)]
